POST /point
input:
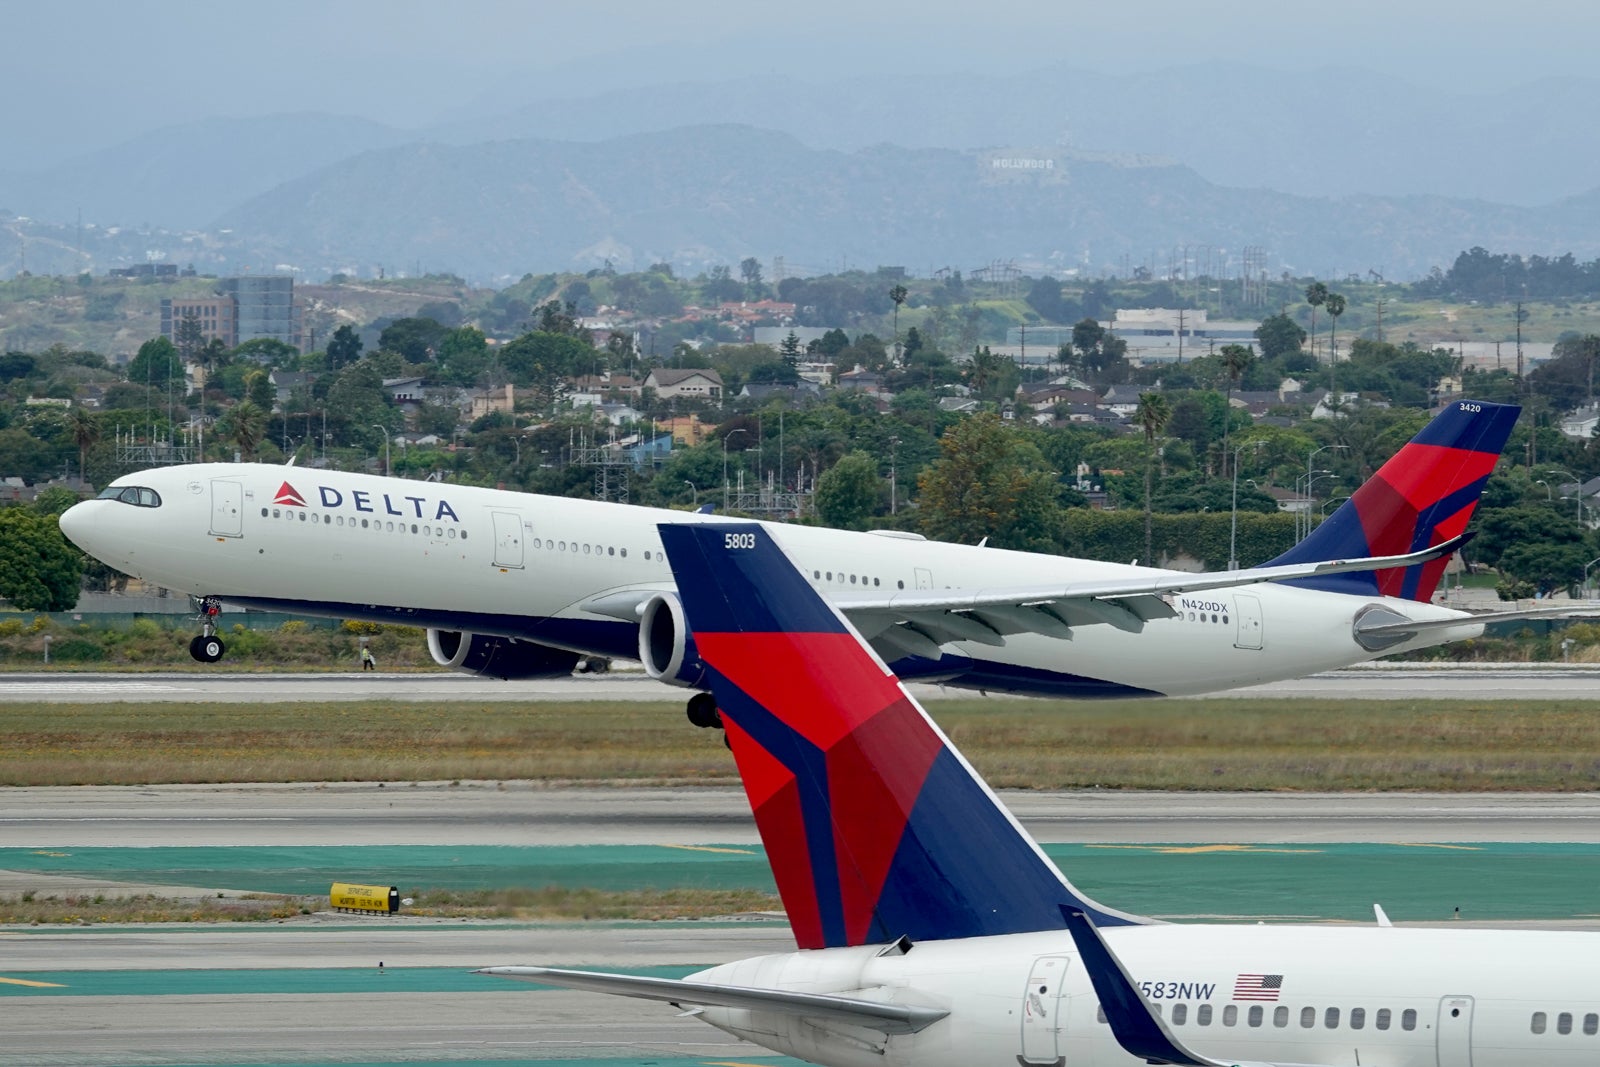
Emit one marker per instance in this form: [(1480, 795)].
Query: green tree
[(344, 347), (85, 429), (989, 483), (1335, 306), (1316, 296), (848, 492), (259, 390), (898, 294), (188, 336), (245, 425), (1236, 359), (1280, 337), (417, 339), (1152, 415), (156, 364), (267, 351), (39, 570)]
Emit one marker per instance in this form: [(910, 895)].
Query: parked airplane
[(933, 931), (515, 585)]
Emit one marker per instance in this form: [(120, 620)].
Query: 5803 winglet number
[(739, 540)]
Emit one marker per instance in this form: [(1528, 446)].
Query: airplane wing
[(918, 621), (868, 1014), (1140, 1031)]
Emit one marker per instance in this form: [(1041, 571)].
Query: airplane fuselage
[(532, 567), (1377, 997)]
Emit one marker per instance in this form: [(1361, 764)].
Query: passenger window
[(1180, 1012), (611, 551), (1591, 1023), (1382, 1019), (463, 535), (263, 513), (537, 543), (413, 527), (624, 553), (1256, 1014), (1408, 1019), (1358, 1018), (585, 550), (363, 524), (1564, 1023), (275, 513), (1230, 1015), (1330, 1018), (315, 518), (452, 533), (1538, 1022), (1280, 1016), (1308, 1017), (1202, 1015), (899, 585)]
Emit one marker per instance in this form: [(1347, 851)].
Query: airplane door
[(1247, 613), (1042, 1019), (507, 539), (1455, 1032), (924, 577), (227, 509)]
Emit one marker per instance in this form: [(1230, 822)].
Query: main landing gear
[(208, 647), (702, 712)]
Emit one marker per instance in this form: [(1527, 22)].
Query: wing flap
[(868, 1014)]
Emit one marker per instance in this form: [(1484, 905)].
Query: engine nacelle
[(666, 646), (498, 657)]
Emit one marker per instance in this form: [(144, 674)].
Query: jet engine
[(498, 657), (666, 647)]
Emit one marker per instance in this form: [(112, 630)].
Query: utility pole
[(1380, 320), (1519, 345)]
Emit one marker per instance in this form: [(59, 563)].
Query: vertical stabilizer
[(875, 827), (1423, 496)]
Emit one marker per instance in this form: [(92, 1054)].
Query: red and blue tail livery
[(1422, 497), (875, 827)]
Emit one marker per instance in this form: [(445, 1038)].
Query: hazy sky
[(82, 74)]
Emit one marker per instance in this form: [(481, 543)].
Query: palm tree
[(1152, 416), (1235, 359), (1316, 296), (246, 425), (1335, 304), (85, 429), (898, 294)]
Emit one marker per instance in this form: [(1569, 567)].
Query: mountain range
[(1329, 171)]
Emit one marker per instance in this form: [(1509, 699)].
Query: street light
[(1577, 488), (385, 432), (1588, 594), (725, 437), (1233, 525), (1541, 481), (695, 490), (1310, 459), (1302, 486)]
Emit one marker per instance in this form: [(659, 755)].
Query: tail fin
[(1423, 496), (875, 827)]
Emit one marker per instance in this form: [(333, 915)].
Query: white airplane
[(514, 585), (932, 931)]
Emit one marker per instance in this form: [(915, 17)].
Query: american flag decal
[(1257, 986)]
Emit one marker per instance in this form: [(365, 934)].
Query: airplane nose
[(77, 522)]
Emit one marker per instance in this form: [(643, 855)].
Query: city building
[(243, 309)]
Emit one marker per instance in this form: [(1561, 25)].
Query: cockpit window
[(137, 495)]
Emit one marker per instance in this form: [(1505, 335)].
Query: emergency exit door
[(1247, 615), (227, 509), (507, 539), (1042, 1007)]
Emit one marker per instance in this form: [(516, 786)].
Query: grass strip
[(551, 903), (1032, 744)]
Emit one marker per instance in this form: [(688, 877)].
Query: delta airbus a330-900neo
[(514, 585), (933, 932)]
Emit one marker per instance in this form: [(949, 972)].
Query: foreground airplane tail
[(875, 827), (1423, 496)]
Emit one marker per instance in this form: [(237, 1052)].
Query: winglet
[(1140, 1031)]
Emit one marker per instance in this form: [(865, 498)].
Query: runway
[(310, 990), (1368, 682)]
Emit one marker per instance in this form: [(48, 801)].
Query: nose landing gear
[(208, 647)]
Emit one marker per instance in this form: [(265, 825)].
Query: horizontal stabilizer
[(1408, 626), (868, 1014)]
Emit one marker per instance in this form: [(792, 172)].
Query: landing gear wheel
[(702, 712), (207, 648)]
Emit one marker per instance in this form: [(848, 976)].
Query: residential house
[(861, 380), (692, 382)]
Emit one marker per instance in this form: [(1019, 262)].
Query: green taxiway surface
[(1318, 881)]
